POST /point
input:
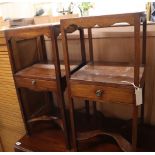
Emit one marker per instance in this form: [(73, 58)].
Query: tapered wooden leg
[(87, 108), (134, 127), (142, 106), (49, 99), (61, 105), (23, 110), (73, 128), (1, 145), (94, 108)]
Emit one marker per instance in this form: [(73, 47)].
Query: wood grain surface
[(11, 125)]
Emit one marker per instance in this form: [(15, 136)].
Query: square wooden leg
[(73, 128), (134, 127)]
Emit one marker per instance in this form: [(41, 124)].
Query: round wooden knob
[(99, 93), (33, 82)]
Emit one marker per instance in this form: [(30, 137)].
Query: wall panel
[(11, 124)]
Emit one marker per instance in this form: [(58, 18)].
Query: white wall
[(17, 10), (117, 6), (24, 8)]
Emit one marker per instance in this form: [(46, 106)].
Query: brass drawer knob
[(33, 82), (99, 93)]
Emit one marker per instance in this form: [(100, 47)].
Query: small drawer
[(103, 93), (35, 84)]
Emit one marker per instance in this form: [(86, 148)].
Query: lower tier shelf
[(51, 139)]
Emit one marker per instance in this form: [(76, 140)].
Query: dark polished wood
[(110, 75), (104, 83), (52, 139), (39, 71), (33, 73)]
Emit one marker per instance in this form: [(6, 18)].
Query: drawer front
[(35, 84), (103, 93)]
